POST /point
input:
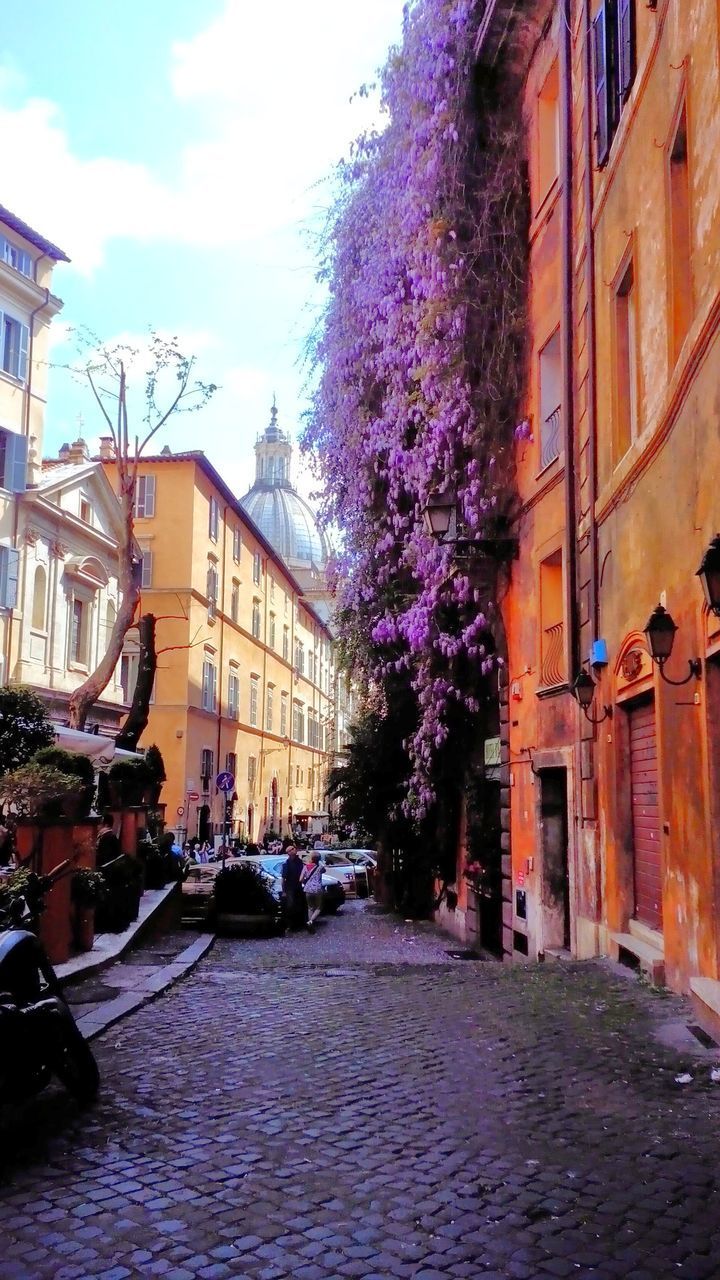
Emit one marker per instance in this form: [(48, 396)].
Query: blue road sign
[(225, 782)]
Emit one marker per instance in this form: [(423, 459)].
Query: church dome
[(286, 520)]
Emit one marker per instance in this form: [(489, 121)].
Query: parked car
[(365, 864), (341, 868), (334, 893)]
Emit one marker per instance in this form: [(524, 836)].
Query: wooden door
[(645, 816)]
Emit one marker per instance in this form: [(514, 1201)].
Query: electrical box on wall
[(599, 653)]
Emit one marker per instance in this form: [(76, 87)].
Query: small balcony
[(553, 663), (550, 431)]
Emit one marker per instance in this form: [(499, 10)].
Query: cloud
[(269, 88)]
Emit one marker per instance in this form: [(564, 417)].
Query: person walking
[(312, 885), (295, 902)]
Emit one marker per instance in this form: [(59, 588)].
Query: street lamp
[(709, 575), (660, 634), (583, 689), (440, 521)]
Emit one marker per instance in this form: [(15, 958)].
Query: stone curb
[(114, 945), (93, 1024)]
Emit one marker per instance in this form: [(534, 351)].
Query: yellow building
[(27, 306), (245, 678)]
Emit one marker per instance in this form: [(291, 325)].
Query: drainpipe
[(220, 613), (26, 432), (592, 382), (571, 601)]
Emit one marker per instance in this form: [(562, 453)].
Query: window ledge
[(552, 690), (79, 666), (10, 377)]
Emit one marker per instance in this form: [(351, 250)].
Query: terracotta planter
[(84, 928)]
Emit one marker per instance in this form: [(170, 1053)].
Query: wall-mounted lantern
[(440, 521), (660, 635), (709, 575), (583, 690)]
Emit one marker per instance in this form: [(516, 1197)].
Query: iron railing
[(552, 660), (550, 438)]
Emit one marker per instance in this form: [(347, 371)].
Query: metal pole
[(225, 831)]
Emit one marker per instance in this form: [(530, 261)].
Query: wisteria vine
[(421, 357)]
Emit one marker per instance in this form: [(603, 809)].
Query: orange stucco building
[(611, 844)]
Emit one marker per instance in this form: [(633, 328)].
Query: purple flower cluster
[(397, 413)]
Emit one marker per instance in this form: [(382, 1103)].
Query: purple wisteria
[(420, 358)]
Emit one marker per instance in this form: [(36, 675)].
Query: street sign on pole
[(225, 782), (180, 811), (193, 796)]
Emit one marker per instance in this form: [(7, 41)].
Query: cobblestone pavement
[(359, 1104)]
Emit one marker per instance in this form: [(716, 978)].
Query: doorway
[(555, 867), (647, 872)]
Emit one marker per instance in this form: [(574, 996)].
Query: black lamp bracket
[(606, 715), (695, 671)]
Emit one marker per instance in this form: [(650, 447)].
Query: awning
[(100, 750)]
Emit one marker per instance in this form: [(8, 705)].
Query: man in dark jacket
[(295, 903)]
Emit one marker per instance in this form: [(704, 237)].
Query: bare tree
[(168, 388)]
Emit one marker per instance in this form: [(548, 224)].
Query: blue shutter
[(602, 131), (626, 48), (9, 573), (15, 478), (24, 345)]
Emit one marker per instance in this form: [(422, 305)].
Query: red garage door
[(645, 816)]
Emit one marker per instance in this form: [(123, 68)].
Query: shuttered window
[(13, 461), (600, 65), (626, 48), (9, 569)]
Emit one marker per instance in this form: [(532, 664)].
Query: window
[(214, 520), (235, 600), (207, 767), (269, 708), (78, 632), (13, 461), (286, 644), (271, 638), (285, 605), (129, 674), (552, 639), (312, 729), (256, 619), (626, 372), (298, 722), (614, 60), (680, 237), (146, 568), (209, 684), (38, 599), (231, 763), (272, 590), (16, 257), (212, 589), (548, 127), (110, 616), (254, 684), (145, 497), (283, 715), (257, 569), (550, 374), (252, 771), (86, 511), (14, 340), (237, 543), (300, 657), (233, 695)]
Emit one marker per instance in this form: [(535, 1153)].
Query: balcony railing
[(550, 438), (551, 672)]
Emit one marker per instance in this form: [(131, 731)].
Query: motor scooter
[(39, 1037)]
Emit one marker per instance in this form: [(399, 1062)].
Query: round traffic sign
[(193, 796), (225, 782), (180, 811)]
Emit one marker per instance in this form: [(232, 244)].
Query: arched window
[(38, 601)]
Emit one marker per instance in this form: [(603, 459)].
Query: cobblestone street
[(358, 1103)]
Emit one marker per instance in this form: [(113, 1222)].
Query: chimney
[(107, 449), (78, 451), (64, 452)]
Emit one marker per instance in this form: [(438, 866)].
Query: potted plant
[(157, 864), (128, 779), (243, 898), (119, 902), (86, 889), (38, 791), (157, 775), (76, 765)]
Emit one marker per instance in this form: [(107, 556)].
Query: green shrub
[(39, 791), (155, 763), (87, 887), (75, 764), (24, 727)]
